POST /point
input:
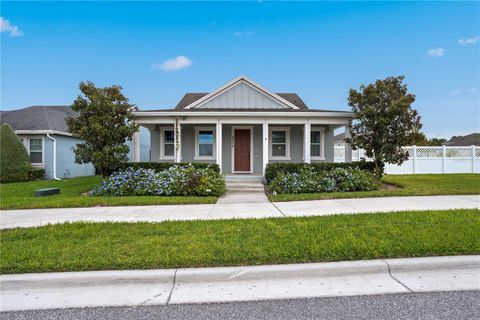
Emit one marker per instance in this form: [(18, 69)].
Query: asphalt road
[(435, 306)]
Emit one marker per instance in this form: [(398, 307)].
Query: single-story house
[(472, 139), (242, 127), (44, 133)]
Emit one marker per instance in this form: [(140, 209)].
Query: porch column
[(264, 146), (348, 147), (136, 146), (219, 145), (177, 127), (306, 142)]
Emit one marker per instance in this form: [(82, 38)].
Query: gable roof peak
[(234, 82)]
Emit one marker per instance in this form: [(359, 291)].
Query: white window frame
[(214, 144), (162, 143), (26, 143), (287, 143), (322, 144)]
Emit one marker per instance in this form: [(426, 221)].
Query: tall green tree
[(104, 122), (385, 121)]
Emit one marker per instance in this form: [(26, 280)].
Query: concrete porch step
[(244, 185), (236, 191)]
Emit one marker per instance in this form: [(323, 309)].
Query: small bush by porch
[(406, 185)]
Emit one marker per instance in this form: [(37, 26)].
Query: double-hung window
[(205, 144), (316, 144), (280, 143), (167, 143), (35, 150)]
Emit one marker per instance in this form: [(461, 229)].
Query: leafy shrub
[(307, 180), (174, 181), (160, 166), (272, 169), (14, 161), (36, 174)]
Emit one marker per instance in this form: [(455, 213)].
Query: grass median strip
[(20, 195), (109, 246), (410, 185)]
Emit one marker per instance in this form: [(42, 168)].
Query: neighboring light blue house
[(44, 133)]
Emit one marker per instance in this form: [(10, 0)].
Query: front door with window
[(242, 150)]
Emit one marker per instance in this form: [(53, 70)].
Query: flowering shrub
[(175, 181), (308, 180)]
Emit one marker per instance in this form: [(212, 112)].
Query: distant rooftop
[(38, 118)]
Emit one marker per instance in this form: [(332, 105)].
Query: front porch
[(240, 145)]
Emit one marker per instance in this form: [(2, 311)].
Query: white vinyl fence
[(428, 160)]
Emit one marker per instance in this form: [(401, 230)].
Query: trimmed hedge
[(161, 166), (14, 160), (273, 169)]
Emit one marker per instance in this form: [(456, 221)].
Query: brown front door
[(242, 149)]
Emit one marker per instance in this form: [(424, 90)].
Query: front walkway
[(247, 206)]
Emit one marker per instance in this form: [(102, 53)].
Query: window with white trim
[(167, 143), (316, 144), (279, 143), (35, 150), (205, 143)]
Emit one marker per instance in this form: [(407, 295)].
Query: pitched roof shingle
[(38, 118)]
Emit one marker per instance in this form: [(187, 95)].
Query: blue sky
[(319, 50)]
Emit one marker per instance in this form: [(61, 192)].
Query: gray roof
[(191, 97), (38, 118), (468, 140), (339, 137)]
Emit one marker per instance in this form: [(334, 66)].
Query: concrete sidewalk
[(207, 285), (245, 207)]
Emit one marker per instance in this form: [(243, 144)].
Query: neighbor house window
[(204, 143), (35, 149), (167, 143), (280, 143)]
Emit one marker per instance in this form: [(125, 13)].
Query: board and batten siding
[(241, 96)]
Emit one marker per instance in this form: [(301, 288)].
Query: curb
[(228, 284)]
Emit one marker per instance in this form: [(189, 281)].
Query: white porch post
[(136, 146), (219, 145), (306, 142), (177, 127), (348, 147), (264, 146)]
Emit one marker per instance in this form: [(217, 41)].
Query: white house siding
[(241, 96)]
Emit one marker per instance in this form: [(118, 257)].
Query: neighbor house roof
[(339, 137), (468, 140), (191, 97), (36, 118)]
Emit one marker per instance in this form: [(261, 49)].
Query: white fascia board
[(62, 133), (253, 114), (248, 82)]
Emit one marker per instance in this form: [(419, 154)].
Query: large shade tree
[(104, 122), (384, 121)]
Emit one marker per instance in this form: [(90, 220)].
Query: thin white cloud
[(243, 34), (7, 27), (174, 64), (456, 92), (468, 41), (436, 53)]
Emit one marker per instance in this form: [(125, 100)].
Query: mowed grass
[(20, 195), (409, 185), (108, 246)]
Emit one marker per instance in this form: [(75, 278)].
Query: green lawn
[(20, 195), (410, 185), (109, 246)]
